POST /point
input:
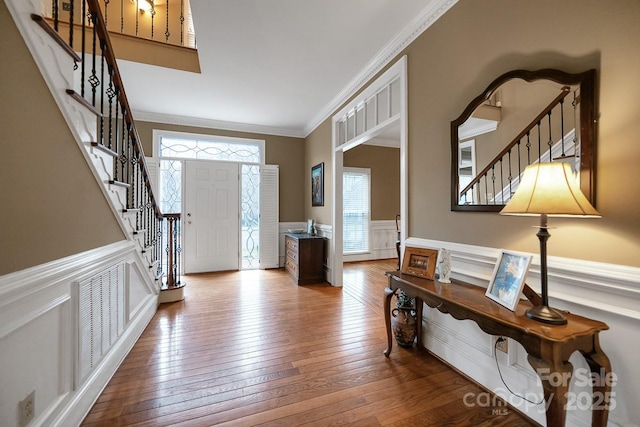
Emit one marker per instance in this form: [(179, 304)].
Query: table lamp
[(548, 189)]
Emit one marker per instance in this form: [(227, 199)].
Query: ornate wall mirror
[(523, 117)]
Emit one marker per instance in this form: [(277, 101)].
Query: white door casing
[(212, 206)]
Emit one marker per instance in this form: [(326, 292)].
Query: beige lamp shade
[(551, 189)]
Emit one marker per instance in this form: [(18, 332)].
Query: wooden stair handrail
[(110, 58), (565, 91)]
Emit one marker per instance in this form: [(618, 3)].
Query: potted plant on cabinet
[(403, 320)]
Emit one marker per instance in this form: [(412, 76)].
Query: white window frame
[(367, 172)]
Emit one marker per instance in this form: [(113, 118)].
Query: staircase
[(79, 65), (499, 180)]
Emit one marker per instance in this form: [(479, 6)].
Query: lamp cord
[(495, 356)]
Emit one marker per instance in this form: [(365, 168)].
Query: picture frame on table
[(317, 185), (419, 262), (507, 280)]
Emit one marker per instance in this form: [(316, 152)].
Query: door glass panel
[(250, 211)]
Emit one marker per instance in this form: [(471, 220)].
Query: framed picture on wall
[(317, 185), (508, 277)]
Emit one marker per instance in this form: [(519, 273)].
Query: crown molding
[(392, 49), (215, 124)]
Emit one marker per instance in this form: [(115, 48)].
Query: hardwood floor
[(251, 348)]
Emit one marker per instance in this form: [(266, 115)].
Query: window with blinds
[(356, 210)]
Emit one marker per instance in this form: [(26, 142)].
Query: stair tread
[(104, 148), (119, 183), (41, 21)]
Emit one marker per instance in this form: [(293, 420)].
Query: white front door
[(212, 216)]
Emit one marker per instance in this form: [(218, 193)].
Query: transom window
[(205, 147)]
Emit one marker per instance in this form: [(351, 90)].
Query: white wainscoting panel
[(101, 316), (606, 292), (65, 327)]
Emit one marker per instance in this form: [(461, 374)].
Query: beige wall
[(384, 163), (286, 152), (317, 150), (52, 206), (456, 58)]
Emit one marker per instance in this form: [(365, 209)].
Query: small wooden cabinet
[(304, 256)]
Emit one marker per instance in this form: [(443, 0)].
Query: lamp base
[(546, 314)]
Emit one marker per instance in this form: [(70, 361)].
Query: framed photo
[(420, 262), (317, 185), (508, 277)]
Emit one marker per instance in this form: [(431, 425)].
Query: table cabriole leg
[(419, 306), (388, 293), (600, 368), (555, 377)]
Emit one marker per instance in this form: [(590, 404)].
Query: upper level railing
[(497, 182), (101, 90), (165, 21)]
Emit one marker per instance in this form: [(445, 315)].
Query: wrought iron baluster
[(486, 189), (510, 177), (501, 184), (147, 220), (121, 16), (111, 93), (528, 149), (83, 43), (170, 252), (152, 233), (137, 195), (161, 259), (54, 7), (153, 15), (539, 143), (562, 126), (71, 4), (178, 249), (93, 79), (131, 169), (166, 31), (102, 91), (123, 144), (493, 182), (519, 159), (106, 13), (550, 141), (181, 22), (137, 17)]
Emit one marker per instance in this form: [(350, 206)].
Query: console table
[(548, 346)]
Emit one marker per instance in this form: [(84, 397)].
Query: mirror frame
[(586, 80)]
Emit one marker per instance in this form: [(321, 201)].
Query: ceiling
[(277, 66)]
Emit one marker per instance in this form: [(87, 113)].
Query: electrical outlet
[(66, 7), (27, 409), (502, 344)]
